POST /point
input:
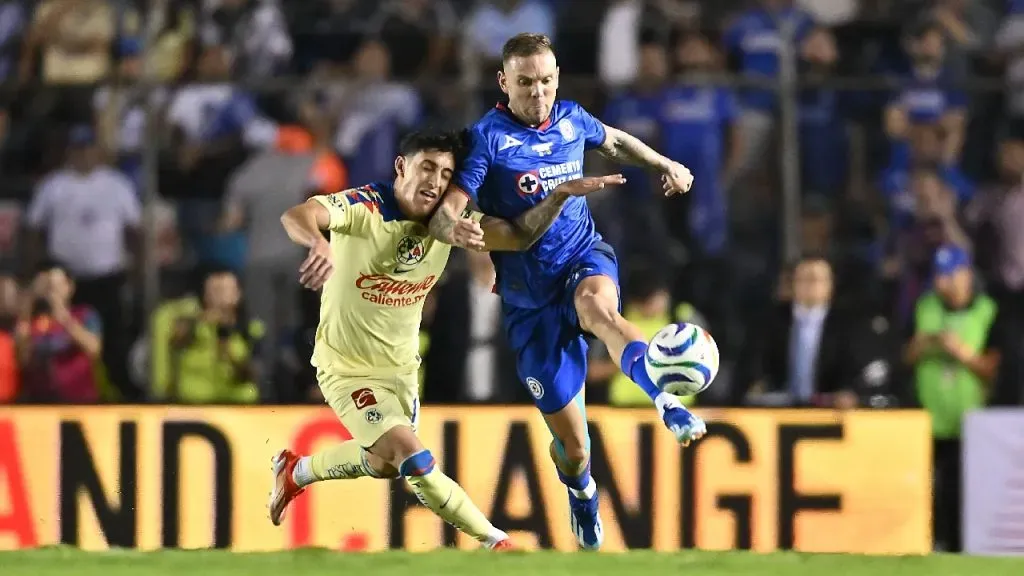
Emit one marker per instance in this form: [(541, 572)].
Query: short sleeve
[(475, 166), (40, 209), (350, 210), (128, 201), (592, 128)]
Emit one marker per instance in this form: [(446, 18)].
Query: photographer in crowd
[(58, 343), (205, 349)]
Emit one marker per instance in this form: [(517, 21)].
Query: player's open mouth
[(429, 194)]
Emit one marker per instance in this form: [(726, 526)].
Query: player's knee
[(595, 309), (380, 467), (396, 446), (418, 464)]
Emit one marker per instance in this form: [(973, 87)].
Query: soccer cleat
[(683, 424), (285, 489), (505, 545), (585, 521)]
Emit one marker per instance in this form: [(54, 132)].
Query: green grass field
[(67, 562)]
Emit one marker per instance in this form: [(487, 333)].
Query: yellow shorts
[(370, 406)]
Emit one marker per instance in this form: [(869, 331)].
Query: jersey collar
[(542, 127)]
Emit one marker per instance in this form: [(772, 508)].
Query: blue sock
[(579, 482), (632, 365)]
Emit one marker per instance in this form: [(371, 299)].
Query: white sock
[(494, 537), (587, 493), (302, 474)]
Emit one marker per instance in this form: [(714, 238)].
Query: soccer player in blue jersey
[(566, 283)]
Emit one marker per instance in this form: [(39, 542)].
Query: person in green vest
[(205, 350), (955, 353), (648, 306)]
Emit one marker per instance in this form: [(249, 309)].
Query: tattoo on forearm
[(628, 149), (535, 222), (442, 225)]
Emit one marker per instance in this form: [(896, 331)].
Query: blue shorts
[(551, 353)]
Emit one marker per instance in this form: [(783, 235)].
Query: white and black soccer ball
[(682, 359)]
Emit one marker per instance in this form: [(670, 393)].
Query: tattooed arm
[(627, 149), (500, 235)]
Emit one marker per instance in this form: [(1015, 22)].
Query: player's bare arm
[(450, 225), (305, 224), (500, 235), (628, 149)]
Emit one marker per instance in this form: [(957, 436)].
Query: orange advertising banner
[(152, 477)]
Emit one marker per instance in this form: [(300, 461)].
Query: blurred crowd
[(169, 135)]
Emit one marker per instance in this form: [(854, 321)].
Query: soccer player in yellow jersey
[(375, 273)]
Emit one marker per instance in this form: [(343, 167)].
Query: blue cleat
[(585, 521), (683, 424)]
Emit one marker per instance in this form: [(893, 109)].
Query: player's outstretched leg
[(596, 301), (570, 451), (397, 453), (344, 461)]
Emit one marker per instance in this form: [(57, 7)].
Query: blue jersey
[(510, 168)]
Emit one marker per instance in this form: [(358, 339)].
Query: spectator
[(823, 142), (997, 217), (206, 351), (1009, 42), (924, 98), (698, 129), (258, 193), (212, 123), (58, 342), (923, 152), (754, 42), (956, 347), (10, 378), (91, 219), (255, 31), (649, 308), (373, 112), (75, 40), (912, 248), (419, 35), (808, 351), (638, 228), (13, 20)]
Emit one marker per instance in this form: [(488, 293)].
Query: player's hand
[(588, 184), (317, 267), (468, 234), (676, 180)]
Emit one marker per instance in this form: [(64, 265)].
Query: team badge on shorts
[(373, 416), (535, 388), (363, 397)]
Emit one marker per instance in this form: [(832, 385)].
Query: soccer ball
[(682, 359)]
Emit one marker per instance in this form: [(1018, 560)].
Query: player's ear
[(400, 165), (502, 81)]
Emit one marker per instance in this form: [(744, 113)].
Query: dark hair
[(48, 265), (525, 44), (207, 272), (436, 140)]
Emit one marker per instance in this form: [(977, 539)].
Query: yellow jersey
[(384, 266)]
